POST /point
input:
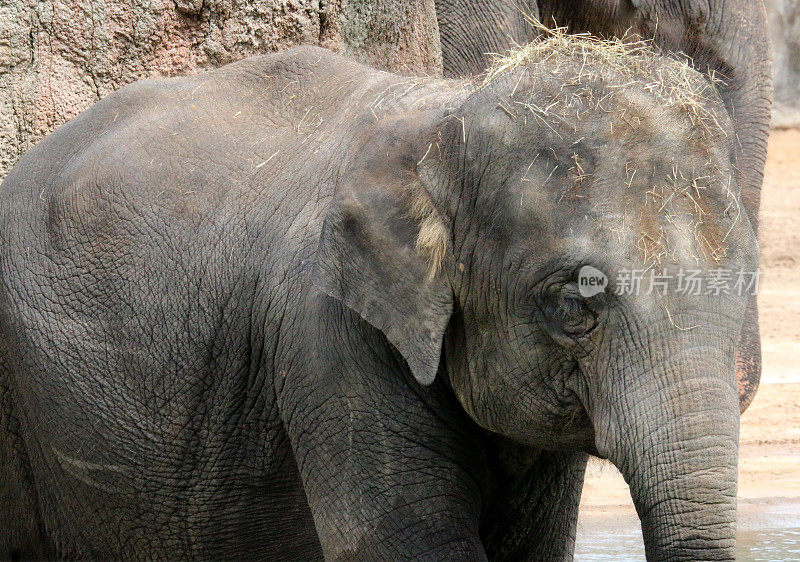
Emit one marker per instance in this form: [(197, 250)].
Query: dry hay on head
[(580, 63), (583, 59), (593, 73)]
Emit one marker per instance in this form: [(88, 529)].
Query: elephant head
[(473, 225), (728, 40)]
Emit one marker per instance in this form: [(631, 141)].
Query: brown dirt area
[(769, 462)]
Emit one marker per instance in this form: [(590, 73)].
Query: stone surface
[(57, 57), (784, 22)]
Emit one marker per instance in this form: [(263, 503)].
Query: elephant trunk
[(675, 440)]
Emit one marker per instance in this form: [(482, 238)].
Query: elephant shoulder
[(293, 63)]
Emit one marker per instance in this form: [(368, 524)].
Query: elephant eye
[(568, 312)]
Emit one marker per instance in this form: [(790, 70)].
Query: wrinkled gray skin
[(212, 316), (727, 37)]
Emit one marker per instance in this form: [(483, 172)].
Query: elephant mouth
[(581, 426), (577, 430)]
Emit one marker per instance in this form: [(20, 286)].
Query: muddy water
[(769, 545), (768, 531)]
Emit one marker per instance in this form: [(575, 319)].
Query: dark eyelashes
[(570, 307)]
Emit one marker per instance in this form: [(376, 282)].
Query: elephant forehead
[(632, 114), (624, 144), (653, 194)]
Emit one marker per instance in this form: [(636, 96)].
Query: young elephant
[(295, 306)]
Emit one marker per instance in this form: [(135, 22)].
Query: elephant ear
[(381, 245)]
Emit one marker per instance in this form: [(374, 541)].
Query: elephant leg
[(21, 534), (533, 513), (386, 474)]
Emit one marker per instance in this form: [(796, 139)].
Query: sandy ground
[(769, 463)]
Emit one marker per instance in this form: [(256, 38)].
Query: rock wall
[(57, 57), (784, 21)]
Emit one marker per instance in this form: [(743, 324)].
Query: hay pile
[(620, 64)]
